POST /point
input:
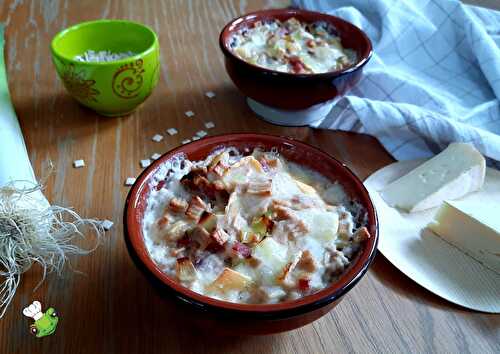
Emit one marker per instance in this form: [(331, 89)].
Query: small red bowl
[(232, 318), (294, 91)]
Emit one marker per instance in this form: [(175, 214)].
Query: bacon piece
[(163, 221), (208, 221), (262, 188), (188, 180), (218, 162), (178, 205), (282, 213), (280, 203), (218, 185), (361, 235), (284, 276), (219, 237), (242, 250), (196, 208), (219, 169), (304, 284), (229, 280), (310, 43), (295, 225), (297, 65), (184, 269), (307, 262)]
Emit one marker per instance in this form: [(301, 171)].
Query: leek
[(31, 230)]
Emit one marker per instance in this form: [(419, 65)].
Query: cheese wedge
[(473, 227), (455, 172)]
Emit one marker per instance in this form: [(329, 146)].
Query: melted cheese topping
[(280, 228), (292, 46)]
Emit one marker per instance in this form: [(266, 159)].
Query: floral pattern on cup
[(128, 79), (79, 85)]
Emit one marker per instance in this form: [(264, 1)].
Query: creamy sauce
[(292, 47), (264, 230)]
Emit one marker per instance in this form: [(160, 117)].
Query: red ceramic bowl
[(231, 318), (294, 91)]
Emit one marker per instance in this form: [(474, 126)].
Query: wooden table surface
[(110, 308)]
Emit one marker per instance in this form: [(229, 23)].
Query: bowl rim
[(80, 25), (333, 292), (227, 30)]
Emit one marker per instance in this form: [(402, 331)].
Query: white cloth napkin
[(434, 77)]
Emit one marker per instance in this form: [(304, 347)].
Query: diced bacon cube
[(307, 262), (178, 205), (304, 284), (361, 235), (196, 208), (262, 188), (219, 169), (219, 236), (185, 270), (163, 221)]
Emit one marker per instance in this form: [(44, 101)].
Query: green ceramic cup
[(110, 88)]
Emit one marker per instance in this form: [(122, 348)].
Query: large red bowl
[(235, 318), (294, 91)]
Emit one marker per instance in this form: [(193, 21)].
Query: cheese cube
[(473, 227), (455, 172)]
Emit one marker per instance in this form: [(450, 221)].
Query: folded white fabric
[(434, 77)]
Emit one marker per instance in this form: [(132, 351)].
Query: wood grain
[(110, 308)]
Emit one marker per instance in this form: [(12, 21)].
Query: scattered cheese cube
[(78, 163), (129, 181), (155, 156), (473, 227), (189, 114), (145, 163), (107, 224), (210, 94), (185, 141), (157, 138), (172, 131), (455, 172), (201, 133), (194, 138), (209, 125)]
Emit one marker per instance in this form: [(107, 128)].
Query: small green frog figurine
[(45, 323)]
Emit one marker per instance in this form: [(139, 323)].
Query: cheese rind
[(455, 172), (472, 227)]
